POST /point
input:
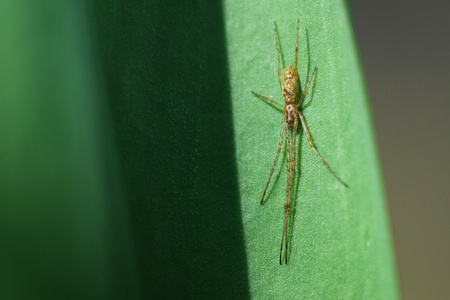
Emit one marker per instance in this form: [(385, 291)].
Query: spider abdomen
[(291, 87)]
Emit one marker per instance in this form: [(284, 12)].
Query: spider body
[(293, 98)]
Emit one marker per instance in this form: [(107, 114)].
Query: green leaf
[(340, 243), (168, 83), (197, 146)]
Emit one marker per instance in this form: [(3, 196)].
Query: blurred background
[(405, 51)]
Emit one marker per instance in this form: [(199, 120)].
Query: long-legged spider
[(290, 87)]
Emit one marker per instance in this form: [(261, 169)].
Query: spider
[(290, 87)]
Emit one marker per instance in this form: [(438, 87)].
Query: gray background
[(405, 52)]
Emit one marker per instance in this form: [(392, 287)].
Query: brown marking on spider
[(290, 87)]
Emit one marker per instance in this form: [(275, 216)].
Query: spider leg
[(311, 144), (290, 164), (306, 88), (280, 79), (278, 105), (276, 159), (296, 48)]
